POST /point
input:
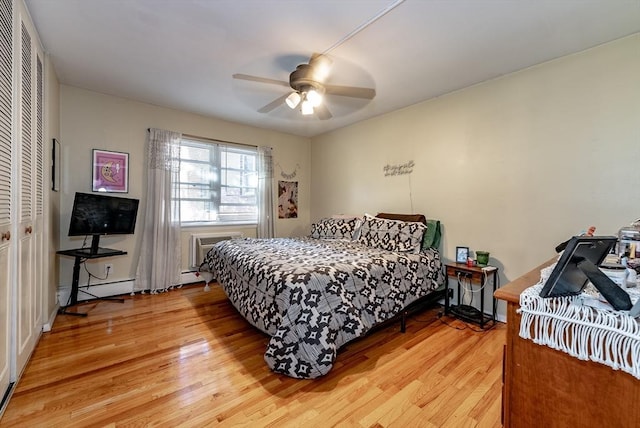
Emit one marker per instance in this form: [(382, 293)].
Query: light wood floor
[(187, 358)]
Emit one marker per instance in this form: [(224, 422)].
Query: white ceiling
[(182, 53)]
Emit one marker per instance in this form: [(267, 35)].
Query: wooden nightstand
[(475, 275)]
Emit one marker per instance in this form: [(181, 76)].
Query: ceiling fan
[(308, 82)]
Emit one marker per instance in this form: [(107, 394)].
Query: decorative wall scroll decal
[(288, 176), (402, 169)]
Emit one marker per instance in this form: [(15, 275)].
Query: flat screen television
[(97, 214), (578, 265)]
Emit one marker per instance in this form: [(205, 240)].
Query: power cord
[(91, 275), (441, 318), (428, 320), (467, 289), (86, 287), (466, 325), (485, 279), (463, 296)]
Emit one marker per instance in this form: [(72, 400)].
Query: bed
[(313, 294)]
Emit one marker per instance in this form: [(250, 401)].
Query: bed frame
[(424, 302)]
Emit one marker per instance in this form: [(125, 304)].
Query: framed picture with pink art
[(110, 171)]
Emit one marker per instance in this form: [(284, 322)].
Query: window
[(218, 183)]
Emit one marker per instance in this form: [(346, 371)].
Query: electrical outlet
[(464, 274), (108, 268)]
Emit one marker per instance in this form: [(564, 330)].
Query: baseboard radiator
[(201, 243)]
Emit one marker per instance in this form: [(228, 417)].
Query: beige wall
[(52, 231), (89, 120), (512, 166)]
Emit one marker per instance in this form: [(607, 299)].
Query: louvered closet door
[(28, 311), (6, 113), (38, 303)]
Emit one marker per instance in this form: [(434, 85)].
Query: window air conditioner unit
[(201, 243)]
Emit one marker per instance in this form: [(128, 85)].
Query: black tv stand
[(91, 253), (81, 255)]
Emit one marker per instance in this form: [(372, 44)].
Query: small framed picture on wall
[(110, 171), (462, 254), (56, 161)]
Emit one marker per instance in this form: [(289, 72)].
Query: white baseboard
[(108, 289), (52, 316), (190, 278)]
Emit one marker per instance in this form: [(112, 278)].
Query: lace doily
[(582, 328)]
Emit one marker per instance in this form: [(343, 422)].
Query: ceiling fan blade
[(260, 79), (322, 112), (350, 91), (273, 104)]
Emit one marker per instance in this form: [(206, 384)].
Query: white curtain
[(265, 193), (159, 265)]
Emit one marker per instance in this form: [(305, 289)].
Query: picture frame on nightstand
[(462, 254)]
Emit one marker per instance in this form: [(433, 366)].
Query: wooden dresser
[(548, 388)]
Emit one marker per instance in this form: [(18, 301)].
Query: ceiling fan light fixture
[(307, 107), (314, 97), (307, 88), (293, 100)]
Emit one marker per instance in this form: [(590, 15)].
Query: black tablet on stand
[(578, 265)]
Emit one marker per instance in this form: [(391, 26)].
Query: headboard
[(432, 236), (420, 218)]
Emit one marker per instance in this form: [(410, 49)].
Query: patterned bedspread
[(313, 295)]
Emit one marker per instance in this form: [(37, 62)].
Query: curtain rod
[(213, 140)]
